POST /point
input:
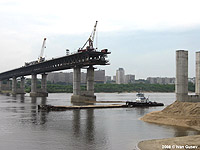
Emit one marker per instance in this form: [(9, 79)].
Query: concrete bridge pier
[(8, 85), (44, 83), (16, 90), (14, 86), (197, 80), (39, 92), (90, 83), (5, 88), (1, 85), (76, 97), (22, 85), (181, 84), (82, 96), (33, 85)]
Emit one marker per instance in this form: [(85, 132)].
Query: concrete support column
[(1, 85), (22, 85), (77, 81), (14, 85), (90, 80), (197, 80), (34, 83), (181, 85), (8, 85), (44, 83)]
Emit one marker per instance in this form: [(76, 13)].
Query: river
[(23, 127)]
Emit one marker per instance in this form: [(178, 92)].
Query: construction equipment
[(41, 58), (90, 40)]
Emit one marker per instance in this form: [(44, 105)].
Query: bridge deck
[(80, 59)]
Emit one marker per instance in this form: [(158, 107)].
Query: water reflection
[(90, 125), (89, 129), (84, 128), (44, 100), (22, 97), (141, 111), (33, 110), (38, 117), (76, 122), (33, 100)]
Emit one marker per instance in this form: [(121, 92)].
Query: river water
[(23, 127)]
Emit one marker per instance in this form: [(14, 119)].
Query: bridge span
[(74, 61)]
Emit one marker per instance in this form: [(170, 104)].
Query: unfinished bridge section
[(74, 61)]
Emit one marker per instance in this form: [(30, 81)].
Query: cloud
[(131, 29)]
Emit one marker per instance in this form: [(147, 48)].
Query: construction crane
[(90, 41), (41, 58)]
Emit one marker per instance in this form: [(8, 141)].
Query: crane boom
[(94, 31), (91, 37), (40, 59)]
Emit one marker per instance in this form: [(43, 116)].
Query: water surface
[(23, 127)]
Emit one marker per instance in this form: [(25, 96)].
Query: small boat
[(141, 98), (142, 101)]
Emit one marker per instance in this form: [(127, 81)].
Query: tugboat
[(141, 98), (142, 101)]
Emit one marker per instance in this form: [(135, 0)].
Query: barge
[(63, 108), (139, 104)]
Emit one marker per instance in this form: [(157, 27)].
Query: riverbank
[(177, 143), (184, 114)]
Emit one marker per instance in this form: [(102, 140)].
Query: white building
[(120, 76)]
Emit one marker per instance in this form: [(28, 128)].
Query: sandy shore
[(177, 143), (184, 114)]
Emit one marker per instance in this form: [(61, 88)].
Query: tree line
[(110, 88)]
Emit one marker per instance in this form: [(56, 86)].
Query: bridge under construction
[(85, 57)]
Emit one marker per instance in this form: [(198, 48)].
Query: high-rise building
[(129, 78), (120, 76), (99, 76)]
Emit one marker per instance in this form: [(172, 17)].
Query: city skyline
[(143, 37)]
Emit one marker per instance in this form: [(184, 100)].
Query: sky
[(142, 35)]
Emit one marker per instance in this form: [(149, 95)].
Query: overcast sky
[(142, 35)]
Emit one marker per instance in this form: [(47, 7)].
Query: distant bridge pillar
[(90, 81), (38, 92), (1, 85), (77, 81), (8, 85), (181, 85), (33, 85), (22, 85), (44, 83), (14, 85)]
